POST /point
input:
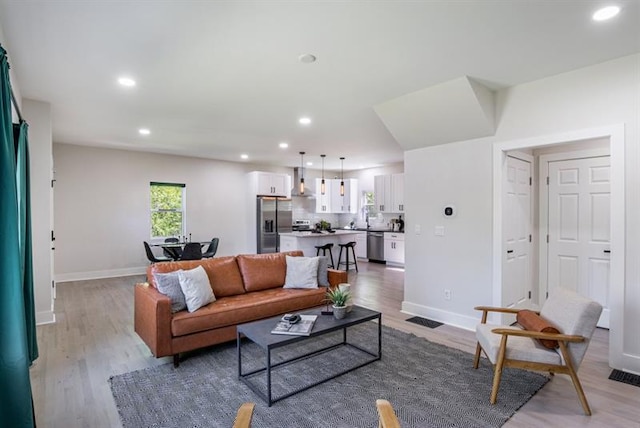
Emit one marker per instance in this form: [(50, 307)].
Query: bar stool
[(346, 247), (324, 249)]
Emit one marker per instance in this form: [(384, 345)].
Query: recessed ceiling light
[(244, 156), (304, 120), (307, 58), (144, 131), (605, 13), (309, 163), (126, 81), (283, 145)]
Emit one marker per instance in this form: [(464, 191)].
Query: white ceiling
[(220, 78)]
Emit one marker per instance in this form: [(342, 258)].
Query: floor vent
[(624, 377), (425, 322)]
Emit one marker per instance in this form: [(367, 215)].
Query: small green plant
[(338, 297)]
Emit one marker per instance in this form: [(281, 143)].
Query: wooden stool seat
[(348, 246), (324, 249)]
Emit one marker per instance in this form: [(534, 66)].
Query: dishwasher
[(375, 247)]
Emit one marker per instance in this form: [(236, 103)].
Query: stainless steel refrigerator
[(274, 217)]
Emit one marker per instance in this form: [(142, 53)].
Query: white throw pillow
[(196, 288), (169, 285), (302, 272)]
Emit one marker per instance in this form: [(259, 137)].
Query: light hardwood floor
[(93, 339)]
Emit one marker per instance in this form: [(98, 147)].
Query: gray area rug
[(429, 385)]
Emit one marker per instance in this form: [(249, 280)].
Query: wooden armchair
[(506, 346)]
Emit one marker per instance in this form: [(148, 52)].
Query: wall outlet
[(447, 294), (439, 231), (418, 229)]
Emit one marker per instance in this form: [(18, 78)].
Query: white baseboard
[(45, 317), (99, 274), (450, 318)]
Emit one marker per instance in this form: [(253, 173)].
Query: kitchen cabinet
[(397, 193), (323, 202), (361, 245), (271, 184), (332, 202), (389, 193), (394, 248), (347, 203), (382, 192)]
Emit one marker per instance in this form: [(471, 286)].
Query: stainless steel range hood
[(295, 191)]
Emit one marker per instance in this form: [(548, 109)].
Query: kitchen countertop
[(307, 234)]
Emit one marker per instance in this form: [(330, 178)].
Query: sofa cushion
[(233, 310), (224, 275), (196, 288), (302, 272), (262, 271)]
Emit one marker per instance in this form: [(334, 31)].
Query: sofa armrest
[(152, 319), (337, 277)]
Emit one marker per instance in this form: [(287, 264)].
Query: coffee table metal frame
[(259, 332)]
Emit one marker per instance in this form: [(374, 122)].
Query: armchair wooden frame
[(386, 415), (502, 361), (244, 416)]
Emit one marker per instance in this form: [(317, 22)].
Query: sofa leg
[(176, 360)]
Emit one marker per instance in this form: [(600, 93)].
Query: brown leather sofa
[(246, 287)]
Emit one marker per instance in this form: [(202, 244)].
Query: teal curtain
[(16, 407)]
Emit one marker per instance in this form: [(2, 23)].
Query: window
[(167, 210)]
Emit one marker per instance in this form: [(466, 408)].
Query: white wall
[(603, 95), (102, 206), (38, 116)]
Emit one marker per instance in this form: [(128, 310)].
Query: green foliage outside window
[(166, 210)]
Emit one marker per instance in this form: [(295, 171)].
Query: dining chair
[(174, 252), (152, 257), (191, 251), (555, 339), (212, 249)]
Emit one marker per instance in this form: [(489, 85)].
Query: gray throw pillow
[(169, 285), (302, 272), (323, 271)]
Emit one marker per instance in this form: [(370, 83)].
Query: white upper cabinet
[(334, 203), (347, 203), (382, 193), (323, 202), (271, 184), (389, 193), (397, 193)]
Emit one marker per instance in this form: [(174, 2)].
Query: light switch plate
[(418, 229), (439, 231)]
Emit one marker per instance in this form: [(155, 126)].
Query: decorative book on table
[(301, 328)]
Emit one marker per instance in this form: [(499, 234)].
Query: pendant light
[(341, 176), (322, 185), (302, 173)]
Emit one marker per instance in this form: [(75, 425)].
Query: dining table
[(173, 247)]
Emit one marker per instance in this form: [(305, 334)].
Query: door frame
[(615, 134), (543, 223)]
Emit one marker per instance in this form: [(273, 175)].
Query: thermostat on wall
[(449, 211)]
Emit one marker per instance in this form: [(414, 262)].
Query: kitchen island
[(307, 241)]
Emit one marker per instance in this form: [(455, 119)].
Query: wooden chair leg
[(497, 375), (244, 416), (476, 360), (574, 378)]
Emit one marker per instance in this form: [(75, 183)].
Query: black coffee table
[(259, 332)]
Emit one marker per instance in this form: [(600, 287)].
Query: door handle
[(607, 251), (509, 251)]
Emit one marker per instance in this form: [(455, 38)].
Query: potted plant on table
[(339, 299)]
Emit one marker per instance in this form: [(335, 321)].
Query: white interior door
[(517, 224), (580, 228)]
